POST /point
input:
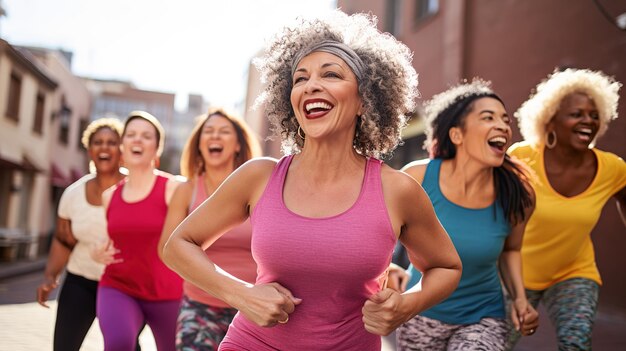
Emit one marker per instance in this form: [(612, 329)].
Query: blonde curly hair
[(105, 122), (388, 88), (540, 108)]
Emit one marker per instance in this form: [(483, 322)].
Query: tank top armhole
[(194, 195), (116, 196), (431, 175), (197, 192), (375, 180), (276, 179)]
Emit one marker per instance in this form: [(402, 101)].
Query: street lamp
[(65, 114)]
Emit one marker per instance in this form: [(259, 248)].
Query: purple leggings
[(121, 316)]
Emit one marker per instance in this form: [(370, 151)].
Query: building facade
[(27, 107), (119, 98), (255, 117)]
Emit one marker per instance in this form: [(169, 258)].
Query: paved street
[(26, 326)]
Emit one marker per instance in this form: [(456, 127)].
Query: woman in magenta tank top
[(325, 218), (218, 144), (136, 286)]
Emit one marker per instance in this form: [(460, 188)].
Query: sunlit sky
[(175, 46)]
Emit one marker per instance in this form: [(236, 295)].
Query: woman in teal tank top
[(483, 200)]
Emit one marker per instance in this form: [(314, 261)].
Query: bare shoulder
[(172, 180), (108, 194), (258, 166), (252, 177), (185, 186), (417, 169), (398, 184), (254, 173), (403, 196)]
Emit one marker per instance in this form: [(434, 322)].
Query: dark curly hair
[(449, 109)]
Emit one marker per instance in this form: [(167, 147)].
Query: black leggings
[(76, 310)]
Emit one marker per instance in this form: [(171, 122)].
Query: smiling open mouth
[(216, 149), (136, 150), (584, 133), (317, 109), (498, 143)]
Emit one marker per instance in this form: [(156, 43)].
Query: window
[(392, 18), (65, 115), (84, 121), (15, 91), (39, 108), (425, 9)]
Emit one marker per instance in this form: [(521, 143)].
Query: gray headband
[(338, 49)]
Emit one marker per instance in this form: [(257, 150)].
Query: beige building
[(72, 106), (119, 98), (27, 105), (255, 116)]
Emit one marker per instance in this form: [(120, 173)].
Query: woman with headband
[(325, 217)]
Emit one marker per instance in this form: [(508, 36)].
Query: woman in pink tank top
[(218, 144), (325, 217), (136, 286)]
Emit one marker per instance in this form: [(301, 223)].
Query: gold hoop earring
[(300, 133), (551, 145)]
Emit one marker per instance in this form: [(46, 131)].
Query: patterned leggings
[(571, 306), (201, 327), (422, 333)]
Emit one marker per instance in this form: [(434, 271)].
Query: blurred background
[(64, 63)]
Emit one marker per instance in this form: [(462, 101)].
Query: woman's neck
[(468, 175), (140, 177), (215, 176), (105, 180), (328, 162), (567, 157)]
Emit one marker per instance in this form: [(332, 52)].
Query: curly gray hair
[(388, 87)]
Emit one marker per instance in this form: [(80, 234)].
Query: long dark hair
[(511, 180)]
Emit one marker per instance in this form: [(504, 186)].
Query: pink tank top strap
[(199, 193)]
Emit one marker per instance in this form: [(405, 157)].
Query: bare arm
[(176, 212), (57, 260), (230, 205), (430, 250), (523, 315)]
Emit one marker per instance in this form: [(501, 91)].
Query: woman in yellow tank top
[(573, 181)]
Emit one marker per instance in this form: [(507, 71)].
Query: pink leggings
[(121, 316)]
